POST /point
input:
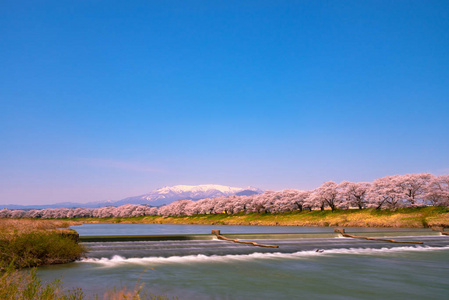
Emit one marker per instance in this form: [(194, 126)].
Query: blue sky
[(108, 99)]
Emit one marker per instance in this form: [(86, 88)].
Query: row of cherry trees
[(128, 210), (411, 190)]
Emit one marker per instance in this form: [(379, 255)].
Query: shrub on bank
[(39, 247)]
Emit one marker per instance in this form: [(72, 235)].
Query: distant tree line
[(389, 192)]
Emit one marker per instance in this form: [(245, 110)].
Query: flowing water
[(331, 268)]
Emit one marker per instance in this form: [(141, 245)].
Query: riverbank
[(31, 243), (423, 217)]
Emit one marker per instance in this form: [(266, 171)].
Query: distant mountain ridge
[(167, 195), (157, 197)]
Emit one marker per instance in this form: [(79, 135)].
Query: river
[(319, 268)]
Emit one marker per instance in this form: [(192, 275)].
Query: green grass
[(35, 248)]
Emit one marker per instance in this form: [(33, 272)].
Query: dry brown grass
[(441, 220), (27, 225)]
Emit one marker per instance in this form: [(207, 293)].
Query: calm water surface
[(343, 268), (156, 229)]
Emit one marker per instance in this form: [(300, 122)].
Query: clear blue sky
[(108, 99)]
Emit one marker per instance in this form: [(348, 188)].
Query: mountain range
[(157, 197)]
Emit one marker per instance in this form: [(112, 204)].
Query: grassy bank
[(401, 218), (30, 243)]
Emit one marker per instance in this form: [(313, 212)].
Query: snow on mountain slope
[(167, 195), (199, 189)]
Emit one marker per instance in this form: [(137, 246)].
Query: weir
[(251, 236)]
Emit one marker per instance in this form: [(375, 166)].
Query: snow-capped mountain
[(157, 197), (167, 195)]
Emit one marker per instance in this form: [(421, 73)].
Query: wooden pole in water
[(440, 229), (342, 232), (220, 237)]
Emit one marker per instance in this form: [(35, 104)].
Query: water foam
[(118, 260)]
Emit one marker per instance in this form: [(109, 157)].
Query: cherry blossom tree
[(207, 206), (354, 193), (262, 203), (437, 191), (413, 187), (176, 208), (290, 200), (326, 195), (314, 201), (104, 212), (385, 191), (240, 204), (5, 213), (151, 211), (222, 204), (17, 214)]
